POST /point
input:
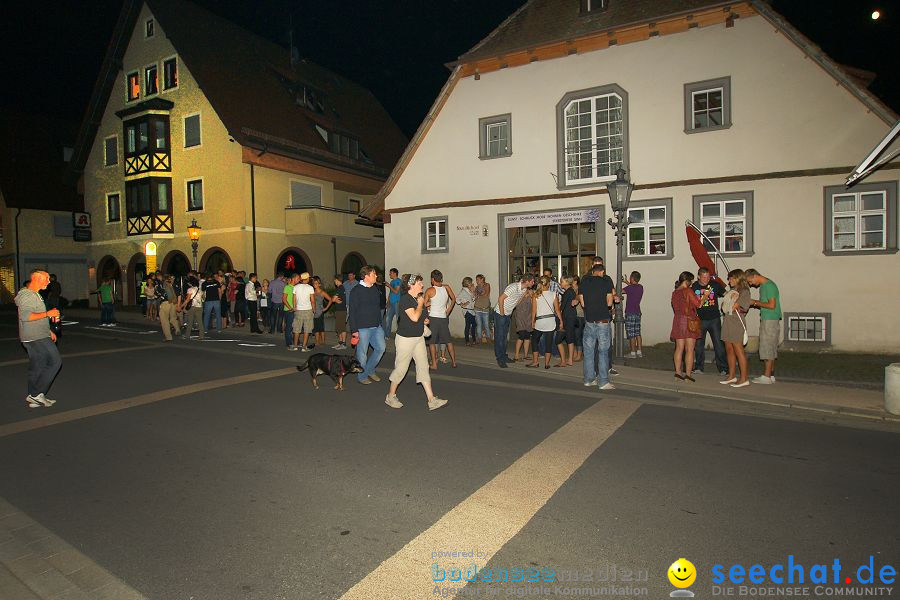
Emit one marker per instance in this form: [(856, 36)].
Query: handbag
[(746, 337), (693, 321), (426, 331)]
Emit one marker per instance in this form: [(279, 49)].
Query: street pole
[(194, 245), (619, 226)]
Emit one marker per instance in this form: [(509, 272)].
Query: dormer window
[(593, 6), (149, 28)]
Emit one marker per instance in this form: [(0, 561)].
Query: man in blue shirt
[(364, 319), (392, 310)]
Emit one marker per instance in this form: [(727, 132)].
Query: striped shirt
[(514, 293)]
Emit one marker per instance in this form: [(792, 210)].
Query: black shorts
[(523, 335), (319, 324)]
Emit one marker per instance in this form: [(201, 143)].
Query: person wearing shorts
[(769, 305), (304, 301), (634, 291), (440, 300)]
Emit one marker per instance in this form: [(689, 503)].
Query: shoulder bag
[(693, 321)]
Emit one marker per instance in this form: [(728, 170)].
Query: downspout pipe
[(253, 214), (18, 252), (334, 249)]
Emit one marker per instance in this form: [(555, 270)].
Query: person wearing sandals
[(521, 322), (466, 299), (544, 307), (440, 301), (409, 343), (685, 323), (735, 305)]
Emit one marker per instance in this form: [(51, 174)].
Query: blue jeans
[(470, 327), (393, 310), (288, 327), (482, 322), (597, 338), (44, 363), (714, 327), (370, 336), (276, 317), (210, 307), (501, 332), (107, 313)]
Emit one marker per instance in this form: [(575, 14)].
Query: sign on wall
[(150, 253), (472, 230), (587, 215), (81, 226)]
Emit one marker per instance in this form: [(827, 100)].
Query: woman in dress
[(265, 297), (544, 307), (152, 302), (579, 322), (483, 309), (319, 310), (735, 305), (684, 307), (569, 314), (409, 343)]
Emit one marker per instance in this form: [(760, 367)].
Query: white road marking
[(123, 330), (496, 512)]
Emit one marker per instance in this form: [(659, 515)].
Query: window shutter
[(192, 131), (305, 194)]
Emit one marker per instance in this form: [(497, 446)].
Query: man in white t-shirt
[(304, 299), (192, 307)]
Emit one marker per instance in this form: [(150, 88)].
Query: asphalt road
[(268, 489)]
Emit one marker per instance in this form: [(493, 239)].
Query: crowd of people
[(563, 320)]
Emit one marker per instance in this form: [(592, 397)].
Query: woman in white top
[(547, 320), (440, 300), (251, 297), (466, 299)]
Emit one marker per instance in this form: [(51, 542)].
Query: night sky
[(396, 48)]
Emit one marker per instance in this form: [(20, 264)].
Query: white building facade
[(721, 114)]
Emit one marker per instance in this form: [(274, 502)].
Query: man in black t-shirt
[(212, 289), (595, 294), (709, 321)]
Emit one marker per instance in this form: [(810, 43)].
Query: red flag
[(699, 252)]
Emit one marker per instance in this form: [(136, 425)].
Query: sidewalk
[(829, 399)]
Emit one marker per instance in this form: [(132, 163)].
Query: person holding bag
[(545, 314), (685, 324), (409, 342), (735, 305)]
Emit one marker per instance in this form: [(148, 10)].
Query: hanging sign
[(586, 215), (150, 253)]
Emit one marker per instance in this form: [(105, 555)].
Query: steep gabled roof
[(541, 22), (253, 87), (31, 162)]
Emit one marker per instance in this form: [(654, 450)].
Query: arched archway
[(108, 268), (215, 259), (353, 262), (293, 260), (137, 272), (176, 263)]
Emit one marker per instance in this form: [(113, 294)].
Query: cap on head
[(304, 276)]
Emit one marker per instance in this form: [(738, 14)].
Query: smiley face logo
[(682, 573)]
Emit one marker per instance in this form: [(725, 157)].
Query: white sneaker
[(763, 379), (337, 347), (640, 354), (303, 349), (293, 348), (632, 355), (33, 402), (607, 386), (44, 400), (772, 378), (435, 403), (392, 401)]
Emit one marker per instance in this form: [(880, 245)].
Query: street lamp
[(619, 197), (194, 231)]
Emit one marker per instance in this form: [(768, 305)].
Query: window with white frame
[(191, 131), (862, 219), (858, 221), (707, 105), (113, 208), (593, 135), (194, 195), (133, 86), (494, 136), (726, 221), (802, 327), (649, 232), (434, 234)]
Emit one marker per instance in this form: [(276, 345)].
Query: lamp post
[(619, 197), (194, 231)]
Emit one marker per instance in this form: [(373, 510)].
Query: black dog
[(335, 366)]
